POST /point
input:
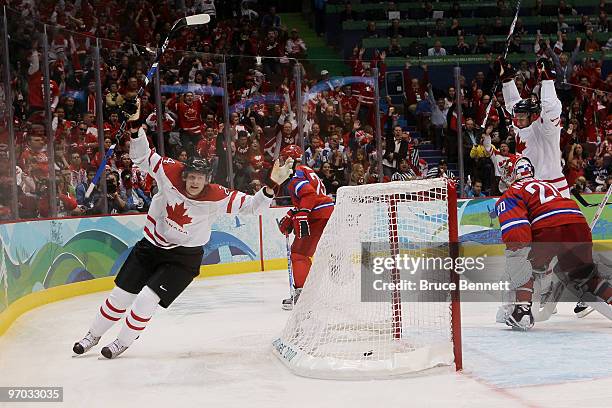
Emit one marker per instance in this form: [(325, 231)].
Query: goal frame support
[(453, 242), (323, 340)]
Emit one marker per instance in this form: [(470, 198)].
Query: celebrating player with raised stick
[(537, 122), (307, 219), (538, 224), (178, 224)]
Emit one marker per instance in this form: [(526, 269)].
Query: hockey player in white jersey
[(537, 123), (178, 224)]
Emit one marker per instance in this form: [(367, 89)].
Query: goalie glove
[(503, 71), (286, 224), (545, 69), (300, 223)]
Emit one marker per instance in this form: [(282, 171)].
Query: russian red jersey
[(531, 204), (308, 192)]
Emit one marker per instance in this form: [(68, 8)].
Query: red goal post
[(340, 328)]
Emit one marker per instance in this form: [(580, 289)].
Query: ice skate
[(582, 309), (521, 317), (113, 350), (85, 344), (289, 302)]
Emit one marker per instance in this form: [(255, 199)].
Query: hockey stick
[(581, 199), (601, 207), (496, 83), (290, 270), (190, 21)]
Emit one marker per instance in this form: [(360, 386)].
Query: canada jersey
[(174, 219), (307, 192), (530, 205), (540, 142)]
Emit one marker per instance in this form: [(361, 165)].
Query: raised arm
[(551, 105)]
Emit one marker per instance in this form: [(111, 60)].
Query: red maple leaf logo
[(178, 214)]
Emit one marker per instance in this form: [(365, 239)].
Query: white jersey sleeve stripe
[(548, 214)]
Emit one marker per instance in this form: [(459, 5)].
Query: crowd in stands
[(339, 116)]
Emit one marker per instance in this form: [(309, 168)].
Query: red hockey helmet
[(293, 151)]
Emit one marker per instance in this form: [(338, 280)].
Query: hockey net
[(332, 332)]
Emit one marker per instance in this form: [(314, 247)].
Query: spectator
[(564, 66), (395, 50), (439, 29), (357, 176), (371, 30), (581, 186), (271, 20), (416, 90), (597, 173), (455, 29), (476, 190), (329, 178), (591, 44), (395, 30), (440, 171), (348, 14), (396, 149), (576, 163), (455, 11), (439, 112), (404, 172), (503, 10), (437, 50), (114, 99), (35, 152), (117, 200), (481, 46), (137, 200), (565, 9), (296, 48), (461, 48)]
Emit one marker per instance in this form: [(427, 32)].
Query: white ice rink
[(212, 348)]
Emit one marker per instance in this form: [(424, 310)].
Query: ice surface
[(212, 348)]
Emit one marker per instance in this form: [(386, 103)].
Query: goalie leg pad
[(517, 272), (518, 268)]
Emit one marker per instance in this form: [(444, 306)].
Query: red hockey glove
[(503, 70), (300, 223), (286, 225), (545, 69)]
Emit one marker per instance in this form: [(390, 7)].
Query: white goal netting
[(341, 327)]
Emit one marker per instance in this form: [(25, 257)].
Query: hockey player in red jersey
[(307, 219), (178, 224), (538, 224)]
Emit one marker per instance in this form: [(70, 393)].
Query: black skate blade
[(106, 353), (78, 349)]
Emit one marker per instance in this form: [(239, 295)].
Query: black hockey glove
[(503, 70), (546, 70)]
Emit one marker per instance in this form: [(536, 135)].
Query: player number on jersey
[(546, 192), (319, 186)]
